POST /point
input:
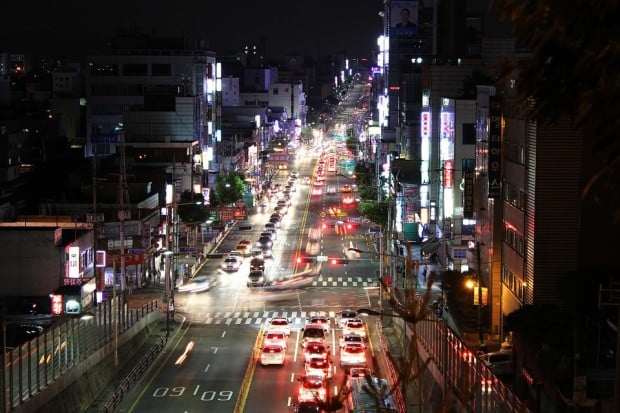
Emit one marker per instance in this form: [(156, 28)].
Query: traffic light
[(305, 260), (338, 261)]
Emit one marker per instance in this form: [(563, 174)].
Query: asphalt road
[(224, 324)]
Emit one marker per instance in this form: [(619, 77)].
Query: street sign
[(322, 258), (134, 251)]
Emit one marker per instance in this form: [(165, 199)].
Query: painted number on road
[(206, 396)]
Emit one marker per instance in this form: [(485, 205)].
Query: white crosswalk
[(297, 319), (323, 281)]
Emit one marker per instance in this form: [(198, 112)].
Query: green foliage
[(366, 181), (352, 144), (376, 211), (229, 188), (191, 209)]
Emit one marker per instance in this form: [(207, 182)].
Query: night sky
[(312, 28)]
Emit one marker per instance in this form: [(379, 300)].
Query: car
[(279, 324), (236, 254), (272, 355), (244, 246), (346, 188), (318, 366), (312, 388), (499, 362), (275, 221), (266, 251), (343, 316), (351, 338), (256, 278), (313, 333), (257, 264), (280, 209), (277, 216), (198, 284), (269, 234), (262, 208), (308, 407), (317, 191), (316, 349), (355, 326), (294, 174), (232, 264), (320, 319), (331, 190), (264, 241), (275, 338), (305, 180), (352, 354), (269, 227)]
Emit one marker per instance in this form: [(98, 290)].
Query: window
[(469, 134), (161, 69), (134, 69), (275, 91)]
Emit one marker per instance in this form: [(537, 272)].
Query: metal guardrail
[(125, 386), (34, 365), (397, 395), (476, 387)]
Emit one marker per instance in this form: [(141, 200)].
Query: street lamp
[(168, 290)]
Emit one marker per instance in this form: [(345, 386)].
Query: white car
[(323, 320), (232, 264), (272, 355), (198, 284), (352, 355), (355, 326), (311, 389), (237, 254), (318, 366), (351, 338), (279, 324), (276, 338), (345, 315)]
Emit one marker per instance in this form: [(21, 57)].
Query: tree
[(376, 211), (192, 209), (572, 73), (229, 188)]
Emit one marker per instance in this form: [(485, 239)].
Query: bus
[(367, 394)]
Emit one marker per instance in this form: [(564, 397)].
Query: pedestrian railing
[(467, 377), (33, 366)]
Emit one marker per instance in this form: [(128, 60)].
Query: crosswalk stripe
[(248, 320), (238, 320)]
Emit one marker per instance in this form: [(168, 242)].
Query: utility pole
[(480, 332)]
